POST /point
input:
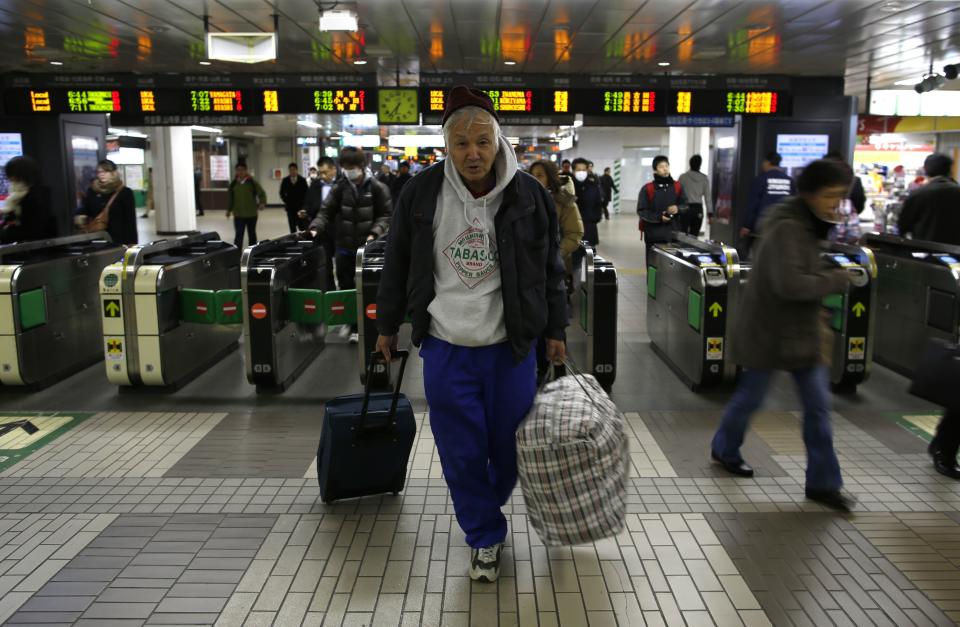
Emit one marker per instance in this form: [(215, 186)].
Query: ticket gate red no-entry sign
[(201, 308), (337, 308), (229, 308), (372, 311), (258, 311), (310, 307)]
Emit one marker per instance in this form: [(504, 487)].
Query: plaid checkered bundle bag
[(573, 460)]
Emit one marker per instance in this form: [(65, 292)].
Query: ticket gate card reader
[(283, 283), (592, 334), (369, 272), (918, 298), (691, 294), (163, 336), (852, 317), (49, 314)]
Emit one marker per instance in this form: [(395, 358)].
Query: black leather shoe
[(942, 464), (834, 499), (741, 469)]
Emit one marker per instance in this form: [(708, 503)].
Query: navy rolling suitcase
[(366, 440)]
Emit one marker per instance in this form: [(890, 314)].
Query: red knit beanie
[(462, 96)]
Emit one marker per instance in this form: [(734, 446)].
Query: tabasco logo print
[(472, 256)]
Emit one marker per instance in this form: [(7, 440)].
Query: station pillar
[(173, 184)]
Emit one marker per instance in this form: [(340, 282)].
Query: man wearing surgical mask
[(358, 208), (589, 200)]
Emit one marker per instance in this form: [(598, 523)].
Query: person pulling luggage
[(473, 256)]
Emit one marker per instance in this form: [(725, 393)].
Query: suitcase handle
[(374, 356)]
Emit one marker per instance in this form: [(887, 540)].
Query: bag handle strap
[(374, 356), (109, 204)]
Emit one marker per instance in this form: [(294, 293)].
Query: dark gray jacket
[(531, 272), (355, 212), (781, 322)]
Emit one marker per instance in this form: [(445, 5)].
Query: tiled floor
[(201, 507)]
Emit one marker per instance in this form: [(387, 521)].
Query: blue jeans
[(823, 469), (477, 398)]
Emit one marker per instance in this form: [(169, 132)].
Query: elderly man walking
[(473, 258)]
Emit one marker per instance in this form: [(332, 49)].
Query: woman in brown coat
[(571, 225), (782, 326)]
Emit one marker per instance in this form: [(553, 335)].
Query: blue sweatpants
[(477, 399)]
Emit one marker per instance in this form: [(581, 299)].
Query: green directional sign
[(111, 308), (716, 309), (859, 309)]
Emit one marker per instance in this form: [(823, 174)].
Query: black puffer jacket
[(528, 239), (355, 212)]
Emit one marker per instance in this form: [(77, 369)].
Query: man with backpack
[(661, 205), (245, 200)]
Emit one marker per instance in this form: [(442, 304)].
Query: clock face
[(398, 106)]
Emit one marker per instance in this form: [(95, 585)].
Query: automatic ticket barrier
[(288, 308), (170, 310), (49, 314), (852, 317), (369, 271), (592, 334), (918, 297), (691, 292)]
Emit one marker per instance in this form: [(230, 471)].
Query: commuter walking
[(293, 193), (782, 326), (197, 180), (589, 200), (386, 176), (571, 225), (932, 213), (319, 191), (360, 207), (400, 180), (661, 205), (109, 206), (473, 257), (245, 200), (609, 186), (773, 185), (25, 214), (565, 168), (696, 188), (148, 186)]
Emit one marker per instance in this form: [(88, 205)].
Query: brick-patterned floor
[(201, 507)]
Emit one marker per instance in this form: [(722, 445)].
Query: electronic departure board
[(507, 101), (617, 102), (191, 101), (702, 102)]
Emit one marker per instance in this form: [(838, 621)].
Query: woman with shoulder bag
[(109, 206)]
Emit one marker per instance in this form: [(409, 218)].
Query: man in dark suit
[(293, 191)]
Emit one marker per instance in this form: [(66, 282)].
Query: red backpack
[(651, 192)]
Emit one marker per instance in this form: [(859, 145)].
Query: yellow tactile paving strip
[(926, 422), (781, 431), (925, 547), (20, 439)]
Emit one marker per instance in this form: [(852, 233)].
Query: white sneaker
[(485, 563), (345, 331), (354, 338)]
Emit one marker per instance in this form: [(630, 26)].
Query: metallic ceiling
[(885, 41)]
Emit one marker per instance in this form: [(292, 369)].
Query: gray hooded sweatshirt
[(468, 307)]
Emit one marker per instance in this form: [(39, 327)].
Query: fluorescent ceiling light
[(255, 134), (514, 141), (204, 63), (725, 143), (509, 62), (360, 62), (242, 47), (340, 20), (416, 141), (126, 133), (206, 129), (664, 63), (56, 63), (907, 82), (309, 124)]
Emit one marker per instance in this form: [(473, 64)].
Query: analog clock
[(398, 106)]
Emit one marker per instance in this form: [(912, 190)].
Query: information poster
[(11, 145), (219, 168), (799, 150), (133, 177)]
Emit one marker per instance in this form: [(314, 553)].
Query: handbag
[(102, 219), (936, 376)]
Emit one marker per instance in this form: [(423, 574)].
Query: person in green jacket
[(245, 200)]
